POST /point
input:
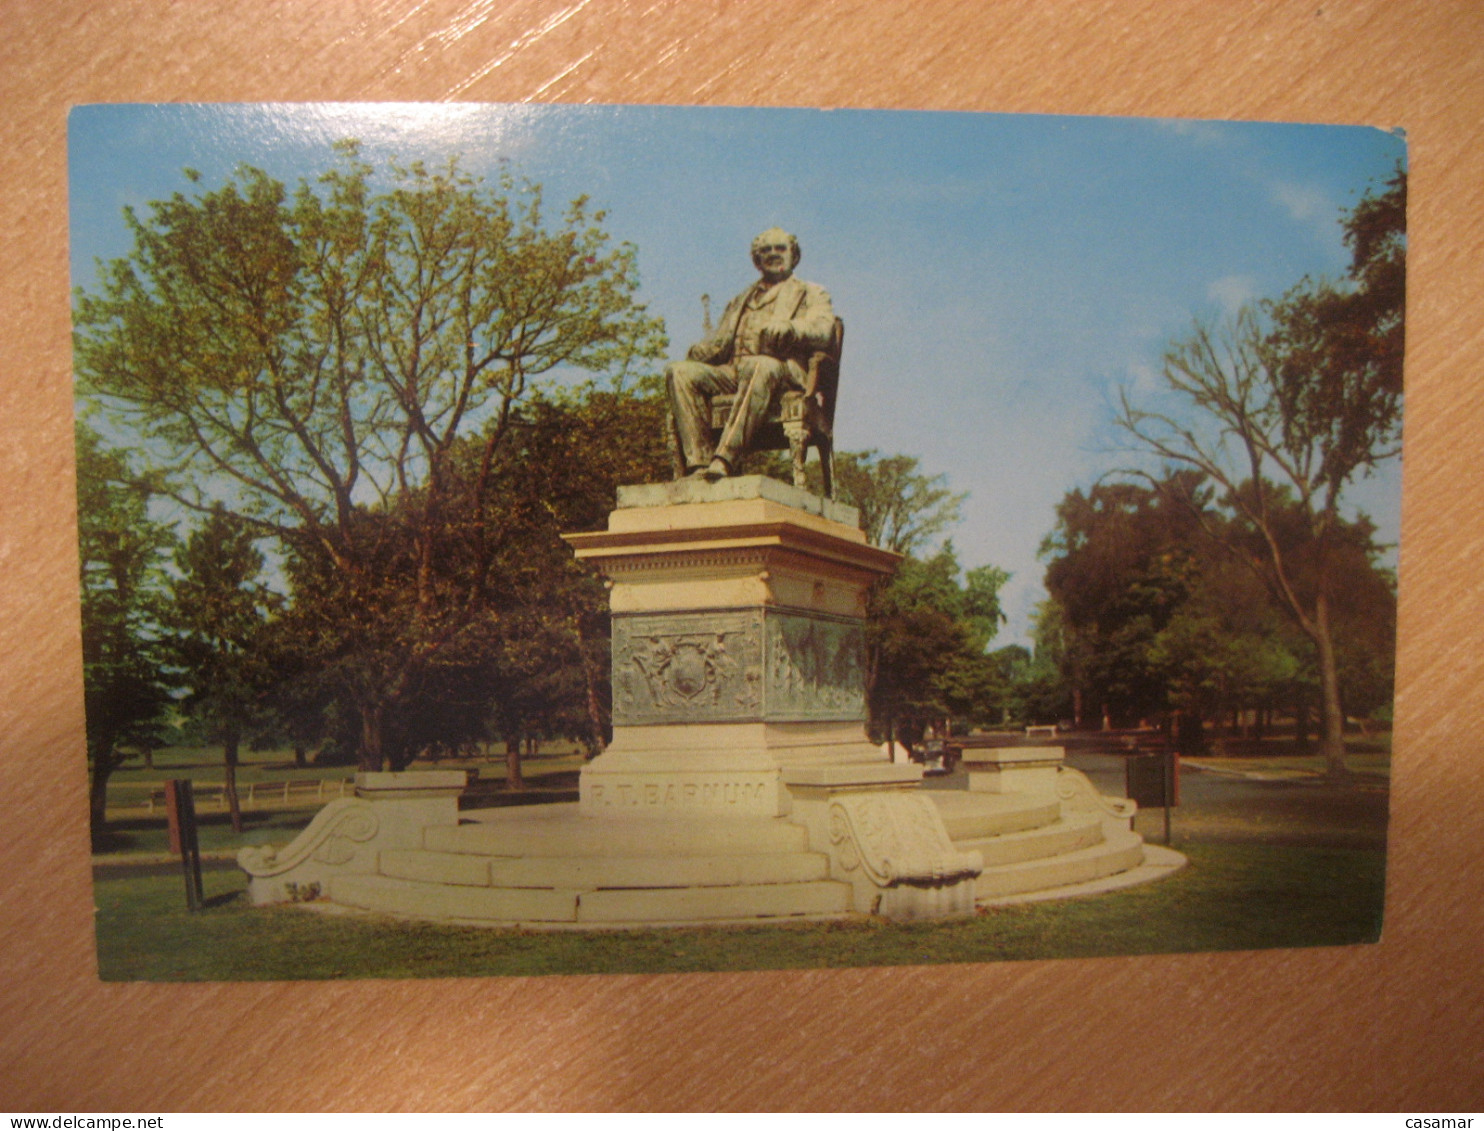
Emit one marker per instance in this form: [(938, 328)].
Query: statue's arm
[(814, 324), (716, 349)]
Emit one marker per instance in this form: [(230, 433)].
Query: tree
[(1121, 561), (901, 508), (1153, 611), (530, 657), (1033, 686), (929, 624), (122, 551), (219, 610), (313, 361), (926, 634), (1293, 401), (579, 446)]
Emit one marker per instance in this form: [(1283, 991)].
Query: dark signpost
[(180, 810), (1153, 781)]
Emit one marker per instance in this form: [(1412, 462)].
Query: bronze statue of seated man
[(760, 348)]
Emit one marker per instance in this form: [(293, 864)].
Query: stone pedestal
[(1029, 770), (739, 684), (738, 644)]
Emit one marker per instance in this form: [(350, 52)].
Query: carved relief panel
[(737, 666), (701, 667), (815, 667)]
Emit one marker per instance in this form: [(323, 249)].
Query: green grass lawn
[(1232, 897)]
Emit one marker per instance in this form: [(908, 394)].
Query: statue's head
[(769, 250)]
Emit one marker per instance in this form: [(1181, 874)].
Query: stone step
[(971, 816), (581, 836), (1073, 832), (618, 907), (715, 904), (591, 872), (454, 902), (1119, 851)]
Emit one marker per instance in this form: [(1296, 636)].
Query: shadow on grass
[(1232, 897)]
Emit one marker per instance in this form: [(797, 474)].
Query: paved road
[(1227, 807)]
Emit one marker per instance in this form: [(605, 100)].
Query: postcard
[(553, 539)]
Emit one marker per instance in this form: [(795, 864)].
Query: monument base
[(856, 841), (739, 786), (716, 767)]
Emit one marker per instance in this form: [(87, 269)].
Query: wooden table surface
[(1399, 1025)]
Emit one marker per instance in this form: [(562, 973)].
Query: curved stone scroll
[(1081, 796), (332, 841), (896, 838)]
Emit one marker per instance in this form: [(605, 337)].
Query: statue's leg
[(690, 386), (759, 380)]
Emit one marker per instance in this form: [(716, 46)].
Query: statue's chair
[(799, 420)]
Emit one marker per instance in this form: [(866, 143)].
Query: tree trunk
[(1332, 715), (229, 779), (513, 779), (371, 756), (590, 691), (301, 757), (98, 796), (1189, 732)]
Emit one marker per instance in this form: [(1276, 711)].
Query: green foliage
[(516, 643), (1335, 351), (927, 631), (343, 370), (331, 345), (1122, 561), (1150, 613), (218, 611), (901, 508), (122, 553), (1293, 401)]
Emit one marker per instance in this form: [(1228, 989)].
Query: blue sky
[(1001, 277)]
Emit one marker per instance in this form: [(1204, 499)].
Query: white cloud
[(1230, 292), (1201, 132), (1145, 379), (1305, 202)]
